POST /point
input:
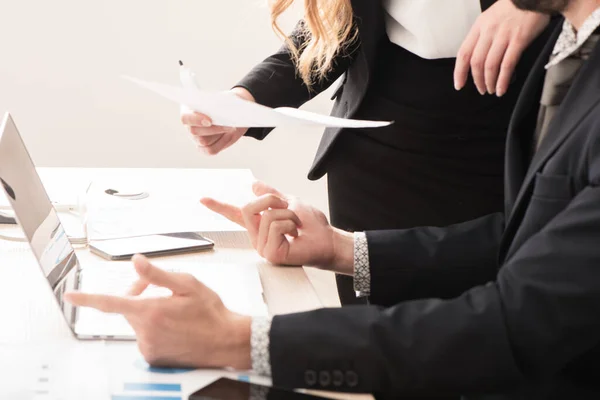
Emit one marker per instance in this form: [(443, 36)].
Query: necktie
[(557, 83)]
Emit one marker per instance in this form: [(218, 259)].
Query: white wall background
[(60, 64)]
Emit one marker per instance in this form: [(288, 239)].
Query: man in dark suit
[(507, 306)]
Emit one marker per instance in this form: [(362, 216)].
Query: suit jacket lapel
[(369, 18), (522, 126), (583, 95)]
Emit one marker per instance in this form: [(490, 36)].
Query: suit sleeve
[(538, 315), (276, 83), (433, 262)]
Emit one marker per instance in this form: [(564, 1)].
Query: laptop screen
[(37, 217)]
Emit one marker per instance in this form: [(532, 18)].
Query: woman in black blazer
[(442, 161)]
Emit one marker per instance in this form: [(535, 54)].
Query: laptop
[(238, 285)]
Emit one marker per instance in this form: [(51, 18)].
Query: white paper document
[(172, 205), (132, 378), (227, 109), (98, 370), (54, 370)]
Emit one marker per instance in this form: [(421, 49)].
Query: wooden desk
[(30, 315)]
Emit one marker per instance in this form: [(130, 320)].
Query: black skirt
[(400, 177)]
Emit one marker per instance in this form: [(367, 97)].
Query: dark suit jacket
[(514, 311), (274, 82)]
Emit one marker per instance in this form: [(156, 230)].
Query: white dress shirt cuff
[(259, 345)]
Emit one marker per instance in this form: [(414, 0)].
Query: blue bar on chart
[(143, 365), (149, 387), (144, 397), (152, 387)]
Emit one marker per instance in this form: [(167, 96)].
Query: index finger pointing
[(231, 212), (104, 303)]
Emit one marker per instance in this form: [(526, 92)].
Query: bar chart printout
[(149, 391)]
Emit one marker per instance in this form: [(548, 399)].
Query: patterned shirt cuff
[(362, 272), (258, 392), (259, 345)]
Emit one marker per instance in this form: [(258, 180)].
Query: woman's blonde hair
[(328, 28)]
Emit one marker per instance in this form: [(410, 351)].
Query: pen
[(187, 77), (7, 219)]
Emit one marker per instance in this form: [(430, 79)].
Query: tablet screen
[(149, 245)]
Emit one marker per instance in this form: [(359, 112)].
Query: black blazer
[(514, 311), (274, 82)]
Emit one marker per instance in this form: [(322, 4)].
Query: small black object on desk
[(7, 220)]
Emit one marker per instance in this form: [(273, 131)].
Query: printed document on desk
[(54, 370), (97, 370), (131, 377), (229, 110), (172, 205)]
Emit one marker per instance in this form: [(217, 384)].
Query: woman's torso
[(441, 162)]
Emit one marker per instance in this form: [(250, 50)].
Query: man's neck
[(579, 10)]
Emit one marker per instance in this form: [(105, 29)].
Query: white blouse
[(430, 28)]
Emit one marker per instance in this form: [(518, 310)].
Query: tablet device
[(150, 246), (229, 389)]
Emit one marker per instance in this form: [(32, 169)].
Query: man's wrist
[(235, 349), (343, 252)]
